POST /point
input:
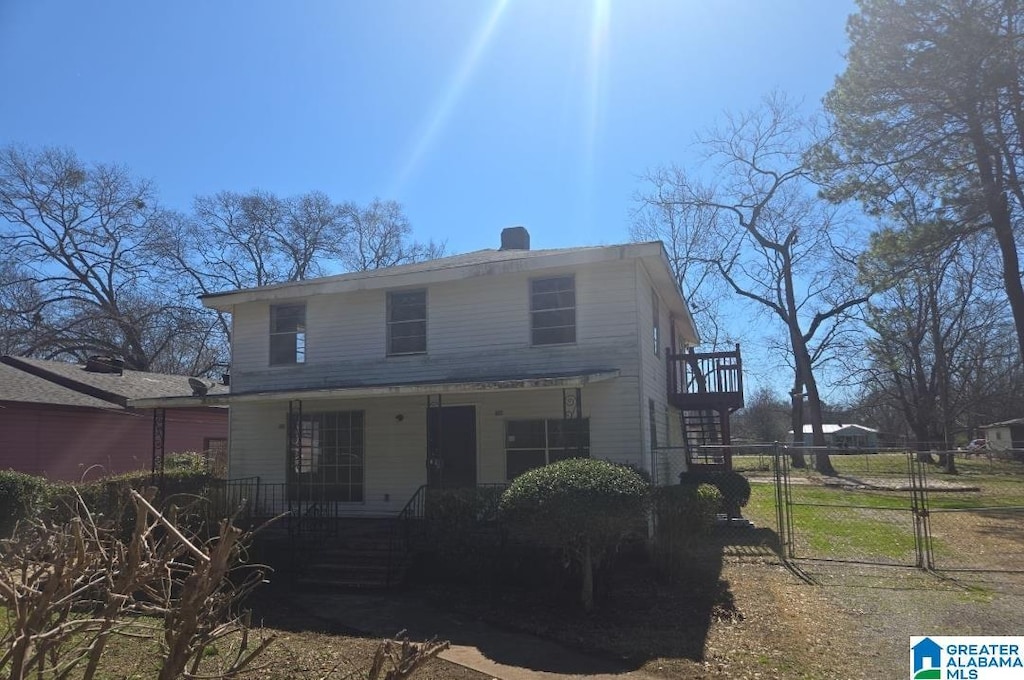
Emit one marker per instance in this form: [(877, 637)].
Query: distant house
[(1008, 434), (71, 422), (844, 436)]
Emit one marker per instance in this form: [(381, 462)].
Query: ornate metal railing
[(431, 510)]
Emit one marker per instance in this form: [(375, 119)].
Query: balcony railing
[(712, 380)]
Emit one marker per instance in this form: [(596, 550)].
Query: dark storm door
[(451, 449)]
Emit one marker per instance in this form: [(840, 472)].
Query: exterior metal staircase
[(706, 388)]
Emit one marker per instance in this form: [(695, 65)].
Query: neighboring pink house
[(71, 422)]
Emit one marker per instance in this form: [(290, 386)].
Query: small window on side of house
[(287, 334), (407, 322), (656, 323), (553, 311)]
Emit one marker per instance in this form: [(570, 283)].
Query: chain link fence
[(938, 510)]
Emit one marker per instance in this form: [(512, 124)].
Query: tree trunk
[(1002, 225), (822, 462), (587, 590), (797, 457)]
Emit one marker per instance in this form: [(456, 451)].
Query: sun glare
[(442, 110), (596, 88)]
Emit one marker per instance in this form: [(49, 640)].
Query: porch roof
[(361, 391)]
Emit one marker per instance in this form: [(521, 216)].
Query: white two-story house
[(466, 370)]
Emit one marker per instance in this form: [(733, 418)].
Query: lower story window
[(325, 457), (534, 443)]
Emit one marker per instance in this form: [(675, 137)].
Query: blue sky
[(474, 114)]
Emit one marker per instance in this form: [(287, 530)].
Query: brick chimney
[(515, 238)]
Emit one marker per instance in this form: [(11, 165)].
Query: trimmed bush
[(686, 510), (734, 487), (459, 539), (187, 462), (21, 495), (683, 514), (581, 506)]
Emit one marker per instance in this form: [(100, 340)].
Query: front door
[(451, 447)]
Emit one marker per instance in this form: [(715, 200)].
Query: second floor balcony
[(710, 380)]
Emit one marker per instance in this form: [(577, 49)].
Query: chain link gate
[(880, 519)]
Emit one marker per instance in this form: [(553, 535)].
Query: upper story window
[(553, 311), (407, 322), (287, 334), (656, 327)]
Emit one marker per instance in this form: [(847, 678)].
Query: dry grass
[(293, 655)]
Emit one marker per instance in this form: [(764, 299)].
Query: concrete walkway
[(474, 644)]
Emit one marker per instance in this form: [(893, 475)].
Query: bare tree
[(764, 231), (81, 237), (683, 229), (378, 236), (935, 337), (21, 322), (233, 240), (763, 418)]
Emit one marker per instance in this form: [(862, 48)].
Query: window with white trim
[(407, 322), (535, 443), (553, 311), (287, 334)]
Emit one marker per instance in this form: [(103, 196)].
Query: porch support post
[(291, 450), (572, 415), (159, 437), (435, 441)]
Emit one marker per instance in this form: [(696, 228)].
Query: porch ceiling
[(460, 385)]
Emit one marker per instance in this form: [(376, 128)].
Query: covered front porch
[(370, 451)]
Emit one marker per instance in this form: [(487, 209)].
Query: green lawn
[(840, 522), (826, 525)]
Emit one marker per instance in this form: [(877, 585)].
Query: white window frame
[(548, 445), (391, 324), (298, 333), (537, 312)]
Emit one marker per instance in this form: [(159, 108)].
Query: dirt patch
[(888, 484), (886, 606)]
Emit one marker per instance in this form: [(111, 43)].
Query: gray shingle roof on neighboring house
[(109, 387), (18, 386)]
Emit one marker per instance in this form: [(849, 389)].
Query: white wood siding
[(395, 451), (477, 326)]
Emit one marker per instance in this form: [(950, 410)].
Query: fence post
[(781, 499), (919, 507)]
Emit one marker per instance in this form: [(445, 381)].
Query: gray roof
[(18, 386), (486, 256), (110, 387), (1005, 423)]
